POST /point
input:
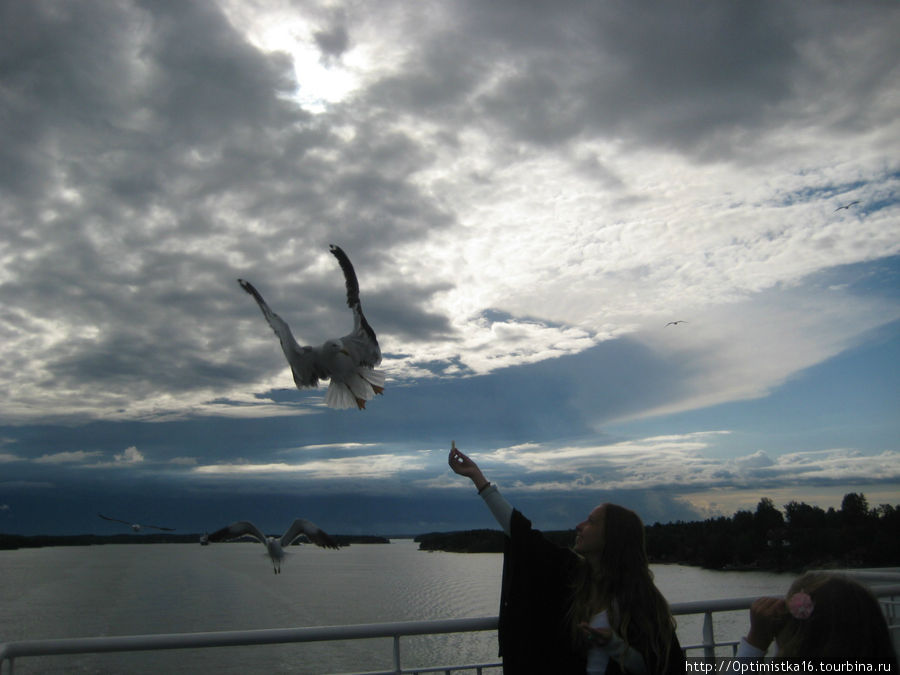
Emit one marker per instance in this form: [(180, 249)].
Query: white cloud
[(130, 455), (338, 446), (68, 457), (677, 463), (366, 466), (183, 461), (758, 459)]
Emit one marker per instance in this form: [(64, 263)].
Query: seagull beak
[(344, 351)]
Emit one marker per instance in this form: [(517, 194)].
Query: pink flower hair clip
[(800, 605)]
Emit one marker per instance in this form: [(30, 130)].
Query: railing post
[(709, 640), (397, 655)]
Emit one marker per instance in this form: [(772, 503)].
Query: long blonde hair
[(618, 579)]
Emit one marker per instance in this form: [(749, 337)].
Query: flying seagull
[(275, 546), (847, 206), (674, 323), (348, 361), (137, 526)]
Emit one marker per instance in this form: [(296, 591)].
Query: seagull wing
[(115, 520), (361, 343), (305, 362), (159, 527), (316, 536), (236, 530)]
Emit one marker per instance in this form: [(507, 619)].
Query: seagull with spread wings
[(847, 206), (674, 323), (137, 526), (348, 361), (275, 546)]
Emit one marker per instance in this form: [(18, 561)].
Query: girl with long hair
[(824, 617), (590, 609), (617, 578)]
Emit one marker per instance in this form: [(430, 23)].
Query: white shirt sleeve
[(748, 651), (498, 505)]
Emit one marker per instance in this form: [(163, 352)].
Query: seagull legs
[(361, 402)]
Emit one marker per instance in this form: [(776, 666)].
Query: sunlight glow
[(320, 81)]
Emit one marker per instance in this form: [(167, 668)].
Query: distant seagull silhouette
[(847, 206), (136, 526), (674, 323), (348, 361), (275, 547)]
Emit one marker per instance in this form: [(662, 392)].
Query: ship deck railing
[(709, 647)]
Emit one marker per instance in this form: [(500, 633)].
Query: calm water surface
[(172, 588)]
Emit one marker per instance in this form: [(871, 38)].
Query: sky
[(529, 192)]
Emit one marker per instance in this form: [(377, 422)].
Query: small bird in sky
[(847, 206), (137, 526), (674, 323), (275, 546), (348, 361)]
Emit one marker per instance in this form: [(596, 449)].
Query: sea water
[(134, 589)]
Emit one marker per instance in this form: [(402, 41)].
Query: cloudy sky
[(529, 193)]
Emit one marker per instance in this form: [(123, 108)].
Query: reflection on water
[(175, 588)]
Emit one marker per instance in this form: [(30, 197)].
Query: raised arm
[(500, 508), (464, 466)]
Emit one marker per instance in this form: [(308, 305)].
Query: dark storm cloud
[(152, 158), (334, 40), (695, 77), (115, 83)]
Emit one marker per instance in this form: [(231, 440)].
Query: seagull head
[(336, 347)]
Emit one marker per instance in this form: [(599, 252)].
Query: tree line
[(799, 537)]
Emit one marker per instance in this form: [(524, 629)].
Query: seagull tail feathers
[(340, 397), (374, 377), (360, 387)]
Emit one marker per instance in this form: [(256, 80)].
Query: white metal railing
[(9, 651), (127, 643)]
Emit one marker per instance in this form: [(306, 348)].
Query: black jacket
[(534, 629)]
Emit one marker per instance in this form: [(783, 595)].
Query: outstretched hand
[(464, 466), (766, 618)]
